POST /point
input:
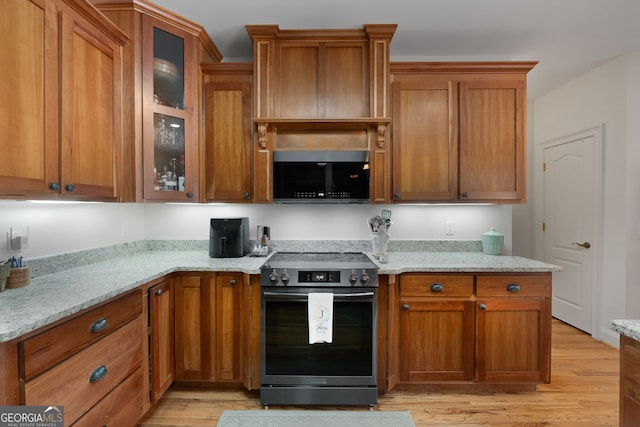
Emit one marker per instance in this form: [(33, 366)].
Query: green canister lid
[(492, 242)]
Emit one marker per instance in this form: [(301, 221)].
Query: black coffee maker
[(229, 237)]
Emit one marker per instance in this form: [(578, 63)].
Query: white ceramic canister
[(492, 242)]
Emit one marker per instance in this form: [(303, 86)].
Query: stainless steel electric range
[(340, 367)]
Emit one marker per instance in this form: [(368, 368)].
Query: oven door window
[(287, 350)]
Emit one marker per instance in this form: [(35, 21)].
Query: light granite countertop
[(465, 262), (51, 297), (628, 328)]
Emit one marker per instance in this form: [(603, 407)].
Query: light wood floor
[(583, 392)]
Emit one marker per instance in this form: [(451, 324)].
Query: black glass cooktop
[(332, 260)]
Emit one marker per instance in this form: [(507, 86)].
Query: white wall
[(332, 222), (56, 228), (633, 187), (601, 97), (59, 228), (523, 215)]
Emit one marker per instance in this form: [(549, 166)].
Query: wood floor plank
[(583, 392)]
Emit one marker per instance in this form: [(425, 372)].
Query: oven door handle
[(335, 296)]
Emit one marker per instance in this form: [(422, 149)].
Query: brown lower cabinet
[(436, 328), (209, 331), (475, 329), (109, 364), (89, 364), (161, 338), (629, 381)]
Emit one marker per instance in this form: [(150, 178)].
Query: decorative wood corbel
[(262, 134), (381, 131)]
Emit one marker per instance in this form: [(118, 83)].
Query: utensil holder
[(379, 242), (5, 270), (18, 277)]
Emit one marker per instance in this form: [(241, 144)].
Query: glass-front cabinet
[(170, 129)]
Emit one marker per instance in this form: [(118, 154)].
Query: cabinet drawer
[(121, 407), (427, 285), (44, 350), (513, 286), (71, 384)]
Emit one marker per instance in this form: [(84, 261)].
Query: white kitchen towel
[(320, 307)]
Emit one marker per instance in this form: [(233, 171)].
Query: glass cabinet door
[(168, 69), (170, 133), (168, 153)]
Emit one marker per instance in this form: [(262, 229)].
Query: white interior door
[(570, 205)]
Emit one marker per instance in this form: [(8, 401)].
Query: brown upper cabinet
[(227, 117), (163, 100), (60, 99), (320, 90), (459, 131), (321, 74)]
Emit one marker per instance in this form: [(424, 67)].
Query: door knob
[(585, 245)]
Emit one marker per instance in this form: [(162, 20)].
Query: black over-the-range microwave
[(321, 176)]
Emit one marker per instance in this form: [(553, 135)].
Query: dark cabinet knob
[(465, 195), (483, 306), (396, 195), (69, 187), (99, 373), (513, 287), (232, 282), (54, 186), (99, 325), (190, 195), (436, 287), (405, 307), (245, 195), (158, 292)]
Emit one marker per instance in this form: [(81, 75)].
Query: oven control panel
[(295, 277), (318, 276)]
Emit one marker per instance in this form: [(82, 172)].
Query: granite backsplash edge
[(41, 266)]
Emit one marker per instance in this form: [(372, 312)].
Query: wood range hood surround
[(321, 89)]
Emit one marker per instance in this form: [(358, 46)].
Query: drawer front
[(121, 407), (515, 286), (70, 383), (428, 285), (45, 350)]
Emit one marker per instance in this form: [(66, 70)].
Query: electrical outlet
[(19, 240), (449, 228)]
